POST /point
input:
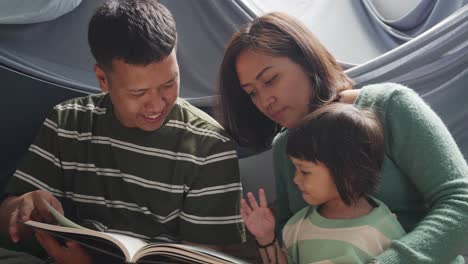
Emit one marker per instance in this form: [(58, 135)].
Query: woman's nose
[(266, 99)]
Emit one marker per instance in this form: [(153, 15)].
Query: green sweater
[(424, 178)]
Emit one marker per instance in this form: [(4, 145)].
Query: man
[(137, 159)]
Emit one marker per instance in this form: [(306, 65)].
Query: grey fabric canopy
[(25, 12), (435, 64), (357, 31)]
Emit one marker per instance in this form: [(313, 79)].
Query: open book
[(129, 249)]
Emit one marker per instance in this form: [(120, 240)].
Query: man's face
[(142, 96)]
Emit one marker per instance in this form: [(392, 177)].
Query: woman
[(275, 72)]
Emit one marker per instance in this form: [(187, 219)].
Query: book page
[(131, 244), (182, 253), (61, 220)]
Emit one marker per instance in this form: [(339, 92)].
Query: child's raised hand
[(259, 220)]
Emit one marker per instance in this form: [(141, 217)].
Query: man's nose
[(154, 101)]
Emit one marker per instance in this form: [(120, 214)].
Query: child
[(338, 152)]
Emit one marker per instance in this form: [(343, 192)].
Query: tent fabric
[(435, 65), (55, 51), (204, 28), (372, 27), (407, 25), (25, 12)]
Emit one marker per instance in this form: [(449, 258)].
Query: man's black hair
[(137, 31)]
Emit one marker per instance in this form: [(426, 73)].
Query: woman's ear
[(101, 78)]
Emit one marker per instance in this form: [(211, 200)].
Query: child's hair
[(139, 31), (348, 141)]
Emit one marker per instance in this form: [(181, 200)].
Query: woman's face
[(277, 86)]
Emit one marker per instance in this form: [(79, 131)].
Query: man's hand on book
[(31, 206), (69, 253)]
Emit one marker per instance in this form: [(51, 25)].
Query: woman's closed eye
[(272, 80)]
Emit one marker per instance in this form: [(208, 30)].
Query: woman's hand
[(349, 96), (259, 220)]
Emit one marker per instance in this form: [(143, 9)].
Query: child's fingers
[(245, 207), (244, 215), (252, 201), (262, 198)]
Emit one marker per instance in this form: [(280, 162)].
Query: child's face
[(315, 182)]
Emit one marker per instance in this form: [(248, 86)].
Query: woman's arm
[(423, 149)]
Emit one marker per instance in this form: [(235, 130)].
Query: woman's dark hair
[(278, 35), (138, 31), (348, 141)]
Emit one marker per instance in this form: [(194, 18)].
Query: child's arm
[(260, 221), (272, 253)]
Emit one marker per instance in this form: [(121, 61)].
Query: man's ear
[(101, 77)]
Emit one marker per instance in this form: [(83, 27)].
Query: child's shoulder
[(300, 215)]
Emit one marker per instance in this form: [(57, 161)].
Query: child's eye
[(304, 172), (251, 93)]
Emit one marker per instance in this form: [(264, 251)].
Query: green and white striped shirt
[(311, 238), (180, 182)]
